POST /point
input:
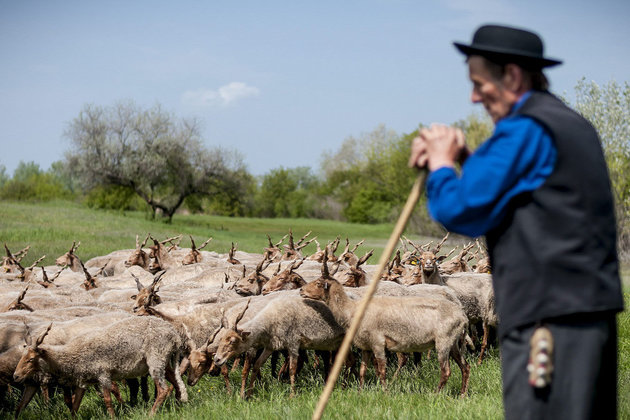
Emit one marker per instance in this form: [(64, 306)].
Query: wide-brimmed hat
[(506, 44)]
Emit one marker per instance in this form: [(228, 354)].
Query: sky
[(281, 82)]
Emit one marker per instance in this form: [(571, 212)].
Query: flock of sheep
[(164, 311)]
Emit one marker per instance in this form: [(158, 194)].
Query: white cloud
[(223, 96)]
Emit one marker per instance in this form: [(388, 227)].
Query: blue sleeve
[(518, 158)]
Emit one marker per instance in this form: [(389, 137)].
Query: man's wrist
[(435, 164)]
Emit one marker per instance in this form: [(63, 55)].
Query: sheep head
[(201, 360), (70, 259), (18, 303), (286, 280), (356, 276), (29, 362), (252, 284), (233, 342), (138, 256), (147, 296), (194, 256)]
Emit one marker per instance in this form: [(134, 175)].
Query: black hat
[(505, 44)]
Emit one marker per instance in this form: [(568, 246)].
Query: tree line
[(124, 157)]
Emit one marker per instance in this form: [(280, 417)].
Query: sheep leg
[(134, 387), (417, 358), (402, 361), (246, 367), (256, 370), (293, 368), (107, 397), (116, 391), (67, 397), (274, 364), (173, 376), (27, 396), (76, 400), (457, 355), (237, 361), (284, 369), (144, 388), (325, 356), (45, 394), (365, 358), (226, 378), (484, 342), (381, 369), (445, 372), (160, 395), (183, 367)]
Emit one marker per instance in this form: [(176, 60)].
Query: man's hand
[(438, 146)]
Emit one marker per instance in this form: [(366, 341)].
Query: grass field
[(50, 229)]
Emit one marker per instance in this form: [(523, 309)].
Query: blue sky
[(281, 82)]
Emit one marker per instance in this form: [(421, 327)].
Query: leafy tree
[(161, 158), (287, 192), (3, 175), (477, 127), (29, 182), (369, 175), (608, 109)]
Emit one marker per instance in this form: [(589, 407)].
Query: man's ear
[(512, 77)]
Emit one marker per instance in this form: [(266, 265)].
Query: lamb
[(129, 348), (399, 324), (194, 256), (163, 260), (348, 256), (473, 290), (10, 261), (273, 252), (285, 323), (292, 250), (70, 259), (285, 280), (252, 284), (356, 276), (331, 248), (139, 257), (457, 264), (14, 337)]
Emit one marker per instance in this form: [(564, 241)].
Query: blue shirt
[(517, 158)]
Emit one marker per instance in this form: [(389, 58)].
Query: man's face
[(488, 90)]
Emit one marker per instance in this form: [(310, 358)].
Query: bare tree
[(159, 157)]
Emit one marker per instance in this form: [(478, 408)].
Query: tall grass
[(50, 229)]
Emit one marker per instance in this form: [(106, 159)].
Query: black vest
[(555, 253)]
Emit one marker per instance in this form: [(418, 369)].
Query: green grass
[(50, 229)]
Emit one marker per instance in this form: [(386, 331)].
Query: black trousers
[(584, 381)]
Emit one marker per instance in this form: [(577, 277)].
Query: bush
[(114, 197), (29, 183)]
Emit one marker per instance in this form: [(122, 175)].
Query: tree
[(29, 182), (161, 158), (369, 175), (3, 175), (608, 109), (287, 192)]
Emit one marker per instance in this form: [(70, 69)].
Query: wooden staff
[(414, 196)]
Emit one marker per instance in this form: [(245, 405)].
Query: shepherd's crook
[(414, 196)]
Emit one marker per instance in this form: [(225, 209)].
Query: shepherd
[(539, 190)]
